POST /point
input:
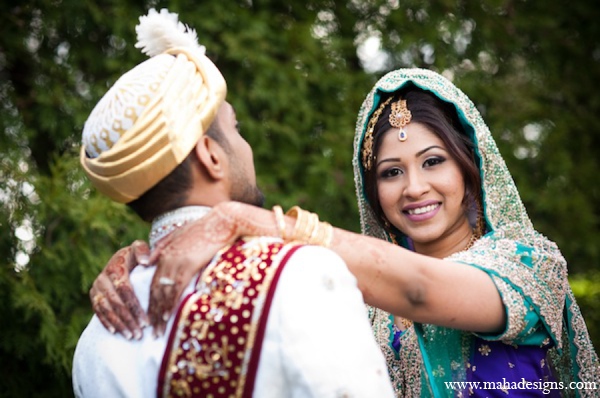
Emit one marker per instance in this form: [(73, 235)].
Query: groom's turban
[(153, 116)]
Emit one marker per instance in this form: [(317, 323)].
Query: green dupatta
[(527, 268)]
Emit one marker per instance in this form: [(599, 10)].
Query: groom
[(264, 317)]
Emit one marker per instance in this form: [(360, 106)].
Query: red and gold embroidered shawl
[(215, 343)]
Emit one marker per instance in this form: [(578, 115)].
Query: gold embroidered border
[(404, 369), (213, 340), (586, 358)]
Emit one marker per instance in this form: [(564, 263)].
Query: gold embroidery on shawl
[(411, 363), (200, 361), (488, 254)]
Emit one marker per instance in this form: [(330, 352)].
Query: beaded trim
[(166, 223), (215, 344)]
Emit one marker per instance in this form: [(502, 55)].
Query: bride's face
[(421, 187)]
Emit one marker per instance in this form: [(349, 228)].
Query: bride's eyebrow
[(428, 149), (421, 152)]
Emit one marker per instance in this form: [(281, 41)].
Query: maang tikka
[(400, 117)]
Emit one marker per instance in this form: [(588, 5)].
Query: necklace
[(472, 241), (166, 223)]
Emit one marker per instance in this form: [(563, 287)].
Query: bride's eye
[(391, 172), (434, 161)]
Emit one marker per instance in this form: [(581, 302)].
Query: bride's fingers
[(173, 275), (128, 308), (141, 252), (180, 256), (161, 297), (107, 316), (111, 309)]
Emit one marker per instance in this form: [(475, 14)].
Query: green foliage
[(76, 231), (296, 82)]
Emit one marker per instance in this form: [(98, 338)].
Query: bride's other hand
[(112, 296)]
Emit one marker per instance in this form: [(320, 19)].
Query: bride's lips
[(421, 211)]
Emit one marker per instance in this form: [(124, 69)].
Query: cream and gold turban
[(153, 116)]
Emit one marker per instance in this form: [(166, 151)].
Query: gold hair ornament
[(400, 117), (367, 152)]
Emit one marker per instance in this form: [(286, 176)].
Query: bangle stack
[(307, 229), (279, 221)]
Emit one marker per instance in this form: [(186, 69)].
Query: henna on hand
[(101, 305), (180, 256), (112, 295), (183, 253)]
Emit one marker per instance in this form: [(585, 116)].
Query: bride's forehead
[(417, 137)]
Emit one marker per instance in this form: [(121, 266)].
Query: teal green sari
[(527, 268)]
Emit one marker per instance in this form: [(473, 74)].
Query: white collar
[(166, 223)]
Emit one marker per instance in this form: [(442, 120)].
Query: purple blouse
[(497, 369)]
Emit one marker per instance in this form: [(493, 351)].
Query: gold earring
[(388, 229)]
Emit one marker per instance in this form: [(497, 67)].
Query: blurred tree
[(297, 73)]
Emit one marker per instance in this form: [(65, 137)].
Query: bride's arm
[(421, 288), (404, 283)]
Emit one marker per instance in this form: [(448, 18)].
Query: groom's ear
[(211, 157)]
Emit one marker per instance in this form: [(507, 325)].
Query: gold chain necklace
[(472, 241)]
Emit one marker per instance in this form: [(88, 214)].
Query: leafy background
[(297, 73)]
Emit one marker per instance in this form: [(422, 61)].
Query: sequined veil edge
[(513, 235), (404, 371)]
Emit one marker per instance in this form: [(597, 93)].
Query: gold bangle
[(316, 233), (328, 235), (301, 220), (325, 235), (312, 227), (279, 220), (309, 230), (303, 225), (293, 212), (319, 234)]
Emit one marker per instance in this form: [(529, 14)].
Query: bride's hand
[(181, 255), (112, 296)]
